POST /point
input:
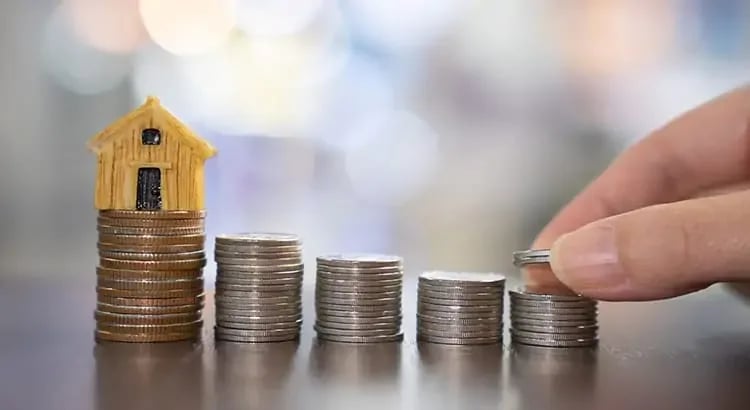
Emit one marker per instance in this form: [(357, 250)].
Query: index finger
[(706, 147)]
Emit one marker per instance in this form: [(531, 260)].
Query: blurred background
[(446, 131)]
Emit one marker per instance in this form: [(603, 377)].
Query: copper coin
[(112, 247), (150, 302), (105, 336), (150, 285), (156, 275), (135, 214), (152, 265), (152, 240), (149, 294)]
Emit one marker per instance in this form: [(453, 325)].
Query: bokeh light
[(394, 158), (109, 25), (76, 65), (188, 26), (403, 24), (157, 72), (277, 17)]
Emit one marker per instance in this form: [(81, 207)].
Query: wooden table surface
[(688, 353)]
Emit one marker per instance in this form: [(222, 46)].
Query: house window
[(151, 136)]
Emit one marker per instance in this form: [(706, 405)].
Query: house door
[(149, 189)]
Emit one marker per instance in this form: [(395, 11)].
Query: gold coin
[(150, 285), (104, 336), (134, 214), (148, 256), (152, 265), (138, 320), (148, 294), (151, 223), (148, 310), (150, 329), (149, 301), (152, 240), (113, 247), (119, 230)]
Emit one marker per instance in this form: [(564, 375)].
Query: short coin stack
[(150, 275), (460, 308), (258, 287), (552, 320), (358, 298)]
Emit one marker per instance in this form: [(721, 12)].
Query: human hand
[(671, 215)]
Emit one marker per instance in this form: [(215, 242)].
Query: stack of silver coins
[(358, 298), (150, 275), (258, 287), (460, 308), (550, 320)]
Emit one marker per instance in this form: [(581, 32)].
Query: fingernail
[(587, 259)]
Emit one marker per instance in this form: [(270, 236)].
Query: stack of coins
[(358, 298), (550, 320), (460, 308), (258, 287), (150, 275)]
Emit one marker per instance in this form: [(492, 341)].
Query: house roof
[(150, 107)]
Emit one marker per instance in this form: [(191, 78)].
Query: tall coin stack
[(258, 287), (150, 275), (460, 308), (358, 298), (553, 320)]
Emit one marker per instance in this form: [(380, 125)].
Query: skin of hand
[(671, 215)]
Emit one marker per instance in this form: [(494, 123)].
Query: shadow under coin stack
[(358, 298), (550, 320), (460, 308), (150, 275), (258, 287)]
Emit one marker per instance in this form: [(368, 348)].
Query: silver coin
[(553, 336), (357, 296), (340, 301), (362, 312), (365, 332), (422, 306), (264, 277), (459, 327), (256, 269), (249, 339), (460, 302), (268, 327), (583, 329), (459, 341), (359, 260), (524, 295), (458, 333), (224, 261), (480, 320), (220, 253), (460, 288), (347, 320), (244, 286), (254, 291), (242, 317), (555, 343), (265, 312), (549, 303), (468, 278), (386, 327), (552, 322), (252, 249), (235, 296), (263, 238), (254, 333), (233, 304), (559, 317), (479, 296), (360, 339), (519, 310), (352, 281), (357, 289), (337, 272), (531, 256)]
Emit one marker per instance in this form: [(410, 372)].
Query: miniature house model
[(149, 160)]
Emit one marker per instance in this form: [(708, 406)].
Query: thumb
[(658, 251)]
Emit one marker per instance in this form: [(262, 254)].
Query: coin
[(283, 288), (244, 318), (269, 327), (331, 320), (531, 256), (150, 223), (219, 254), (153, 265), (365, 279), (553, 322), (582, 329), (147, 256), (459, 327), (552, 316), (113, 247), (225, 310), (553, 310), (156, 275), (174, 214), (148, 310), (392, 327), (554, 343), (425, 307), (148, 294), (149, 329), (162, 319), (524, 295), (358, 297), (553, 336), (459, 340), (462, 289), (361, 339), (361, 260), (254, 333), (122, 230), (150, 302), (152, 240), (468, 278), (258, 269), (361, 312), (256, 339), (102, 335), (345, 302), (481, 319), (523, 303), (442, 332), (264, 238), (359, 284), (256, 249), (496, 303), (150, 285), (463, 297)]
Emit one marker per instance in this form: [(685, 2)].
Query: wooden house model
[(149, 160)]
